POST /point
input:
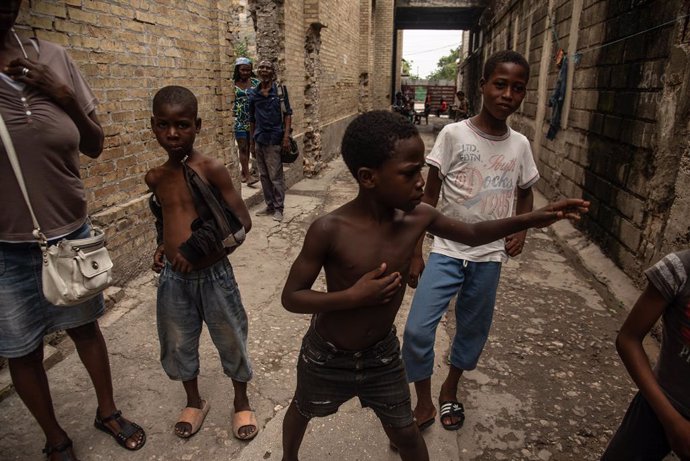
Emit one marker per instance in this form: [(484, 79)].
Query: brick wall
[(128, 49), (622, 138), (383, 13)]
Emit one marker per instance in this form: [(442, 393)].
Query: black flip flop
[(426, 424), (452, 409)]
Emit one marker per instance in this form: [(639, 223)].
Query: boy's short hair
[(370, 138), (501, 57), (175, 95)]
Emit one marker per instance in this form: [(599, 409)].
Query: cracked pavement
[(549, 385)]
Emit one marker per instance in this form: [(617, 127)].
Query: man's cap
[(243, 60)]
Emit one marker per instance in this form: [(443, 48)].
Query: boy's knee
[(406, 438), (415, 335)]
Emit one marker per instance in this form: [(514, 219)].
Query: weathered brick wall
[(127, 50), (381, 76), (326, 51), (366, 54), (339, 58), (622, 139)]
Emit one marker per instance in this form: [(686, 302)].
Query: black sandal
[(452, 409), (127, 430), (62, 449)]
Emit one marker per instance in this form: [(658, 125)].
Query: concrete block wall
[(623, 129)]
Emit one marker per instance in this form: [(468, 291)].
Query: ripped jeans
[(328, 377)]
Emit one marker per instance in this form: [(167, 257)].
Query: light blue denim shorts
[(25, 315), (475, 285), (185, 302)]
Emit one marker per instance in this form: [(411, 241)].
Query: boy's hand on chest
[(376, 287)]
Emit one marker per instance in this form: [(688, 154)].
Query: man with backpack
[(270, 120)]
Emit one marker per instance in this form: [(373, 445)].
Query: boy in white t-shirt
[(476, 165)]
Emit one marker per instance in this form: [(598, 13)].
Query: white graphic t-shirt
[(670, 277), (479, 173)]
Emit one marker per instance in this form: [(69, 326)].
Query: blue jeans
[(185, 301), (271, 175), (475, 284), (25, 314)]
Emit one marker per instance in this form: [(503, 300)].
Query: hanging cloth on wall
[(556, 100)]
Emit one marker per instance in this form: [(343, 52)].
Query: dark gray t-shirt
[(670, 277), (47, 144)]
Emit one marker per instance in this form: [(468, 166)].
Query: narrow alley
[(549, 386)]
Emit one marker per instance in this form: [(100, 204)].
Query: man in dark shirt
[(270, 120)]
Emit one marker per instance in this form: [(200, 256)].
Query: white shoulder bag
[(73, 270)]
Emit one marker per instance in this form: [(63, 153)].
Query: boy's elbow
[(286, 300), (625, 342), (619, 343), (92, 150), (247, 223)]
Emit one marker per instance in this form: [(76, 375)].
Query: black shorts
[(328, 377), (640, 437)]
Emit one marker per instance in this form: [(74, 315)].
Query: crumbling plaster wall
[(326, 63)]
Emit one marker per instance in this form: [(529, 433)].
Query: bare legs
[(30, 381), (449, 392), (408, 440), (243, 147), (294, 426), (94, 355), (241, 402)]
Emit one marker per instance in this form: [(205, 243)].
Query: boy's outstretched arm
[(648, 309), (371, 289), (525, 202), (487, 231), (218, 176), (432, 190)]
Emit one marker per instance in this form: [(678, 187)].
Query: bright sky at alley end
[(423, 48)]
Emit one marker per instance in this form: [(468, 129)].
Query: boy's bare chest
[(361, 252), (173, 192)]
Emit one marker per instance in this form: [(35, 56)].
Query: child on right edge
[(658, 418), (197, 284), (365, 248)]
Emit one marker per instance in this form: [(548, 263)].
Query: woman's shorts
[(241, 135), (25, 315)]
